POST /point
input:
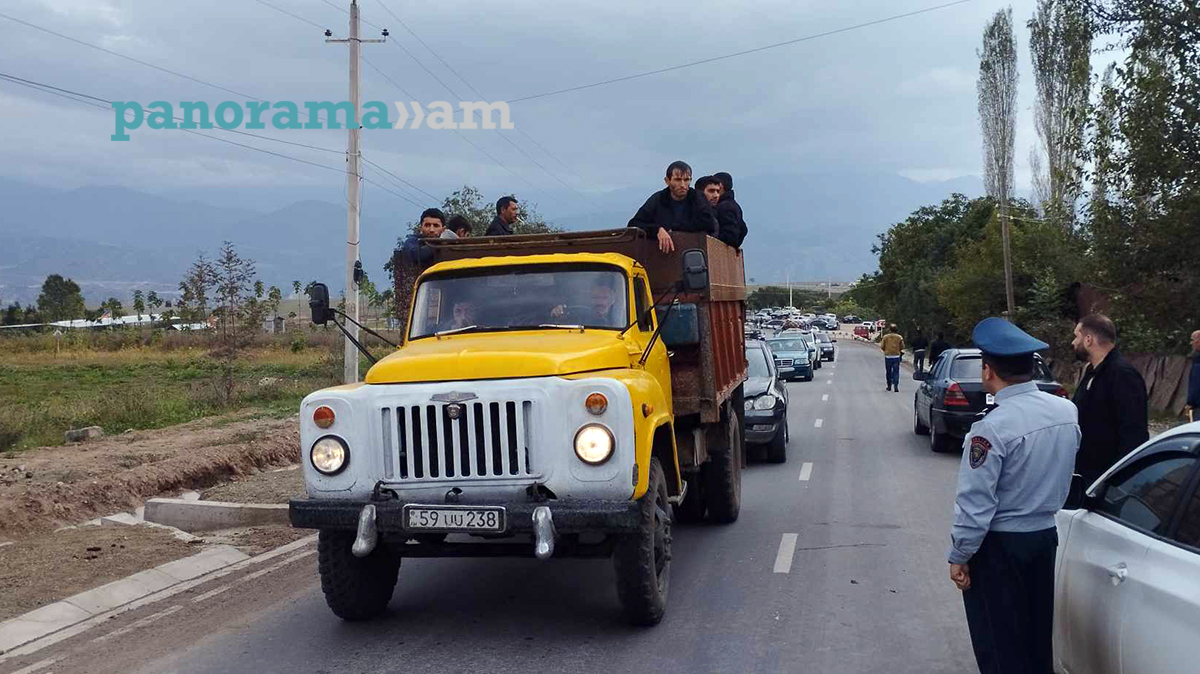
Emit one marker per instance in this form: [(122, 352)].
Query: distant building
[(276, 325)]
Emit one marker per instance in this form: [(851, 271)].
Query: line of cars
[(1127, 571)]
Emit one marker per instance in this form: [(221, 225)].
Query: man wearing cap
[(1015, 474)]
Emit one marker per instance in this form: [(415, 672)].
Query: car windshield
[(757, 359), (788, 345), (822, 337), (521, 298)]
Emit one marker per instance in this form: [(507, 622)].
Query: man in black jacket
[(939, 345), (731, 226), (506, 215), (1112, 401), (677, 207), (919, 345)]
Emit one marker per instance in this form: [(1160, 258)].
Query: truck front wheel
[(356, 588), (643, 560), (723, 475)]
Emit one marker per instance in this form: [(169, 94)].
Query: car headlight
[(329, 455), (594, 444), (765, 402)]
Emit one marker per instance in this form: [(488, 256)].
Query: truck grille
[(488, 440)]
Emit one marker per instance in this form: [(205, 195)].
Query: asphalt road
[(837, 564)]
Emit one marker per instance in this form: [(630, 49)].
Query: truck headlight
[(594, 444), (765, 402), (329, 455)]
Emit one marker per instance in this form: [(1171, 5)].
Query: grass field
[(140, 382)]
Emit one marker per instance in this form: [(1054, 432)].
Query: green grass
[(45, 394)]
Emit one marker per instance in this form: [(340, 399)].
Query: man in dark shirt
[(506, 215), (731, 226), (677, 207), (939, 345), (1112, 401), (919, 346)]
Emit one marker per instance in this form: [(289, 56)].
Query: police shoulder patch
[(980, 446)]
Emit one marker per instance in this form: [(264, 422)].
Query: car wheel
[(777, 450), (918, 427), (938, 442)]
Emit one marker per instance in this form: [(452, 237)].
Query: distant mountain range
[(113, 240)]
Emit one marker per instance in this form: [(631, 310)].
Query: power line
[(478, 95), (87, 99), (182, 75), (744, 52), (128, 58), (398, 178)]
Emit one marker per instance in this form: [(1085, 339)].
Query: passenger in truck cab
[(433, 223), (675, 208)]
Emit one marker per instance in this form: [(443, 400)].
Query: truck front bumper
[(570, 515)]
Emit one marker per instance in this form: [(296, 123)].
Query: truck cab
[(530, 410)]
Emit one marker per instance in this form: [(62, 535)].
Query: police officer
[(1015, 474)]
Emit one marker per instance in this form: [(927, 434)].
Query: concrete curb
[(51, 618), (193, 516)]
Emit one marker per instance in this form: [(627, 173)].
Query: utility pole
[(353, 162)]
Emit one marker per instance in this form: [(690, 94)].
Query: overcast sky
[(897, 97)]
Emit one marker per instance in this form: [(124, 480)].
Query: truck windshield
[(521, 298)]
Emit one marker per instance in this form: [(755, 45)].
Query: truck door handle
[(1118, 573)]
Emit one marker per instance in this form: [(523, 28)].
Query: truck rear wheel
[(692, 508), (643, 560), (723, 475), (356, 588)]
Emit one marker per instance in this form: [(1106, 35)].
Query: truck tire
[(723, 475), (643, 560), (692, 508), (356, 588)]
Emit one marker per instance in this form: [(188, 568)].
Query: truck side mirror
[(695, 270), (318, 304), (1076, 497)]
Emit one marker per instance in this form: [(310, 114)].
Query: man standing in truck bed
[(677, 207)]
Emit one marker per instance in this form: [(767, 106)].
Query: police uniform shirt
[(1016, 467)]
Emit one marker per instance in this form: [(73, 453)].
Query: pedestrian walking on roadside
[(506, 215), (919, 345), (1015, 475), (1111, 397), (939, 345), (1193, 399), (893, 348)]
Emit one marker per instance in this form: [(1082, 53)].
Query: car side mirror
[(318, 304), (695, 270), (1076, 497), (920, 376)]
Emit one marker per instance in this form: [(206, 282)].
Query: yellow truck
[(561, 395)]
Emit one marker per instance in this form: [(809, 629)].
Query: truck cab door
[(656, 363)]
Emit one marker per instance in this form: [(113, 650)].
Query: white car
[(1127, 575)]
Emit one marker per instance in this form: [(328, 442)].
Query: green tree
[(274, 298), (60, 299), (113, 306), (13, 314), (997, 88), (139, 303)]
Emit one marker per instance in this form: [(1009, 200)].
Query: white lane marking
[(828, 381), (139, 624), (787, 549), (251, 576), (818, 423), (825, 398), (805, 471), (78, 628), (38, 665)]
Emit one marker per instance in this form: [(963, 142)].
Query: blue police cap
[(998, 337)]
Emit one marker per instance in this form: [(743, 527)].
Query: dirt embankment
[(49, 487)]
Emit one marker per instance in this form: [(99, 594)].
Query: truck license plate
[(453, 519)]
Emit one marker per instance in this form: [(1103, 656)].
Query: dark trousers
[(891, 366), (1010, 606), (919, 360)]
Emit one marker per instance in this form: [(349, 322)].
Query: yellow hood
[(501, 355)]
